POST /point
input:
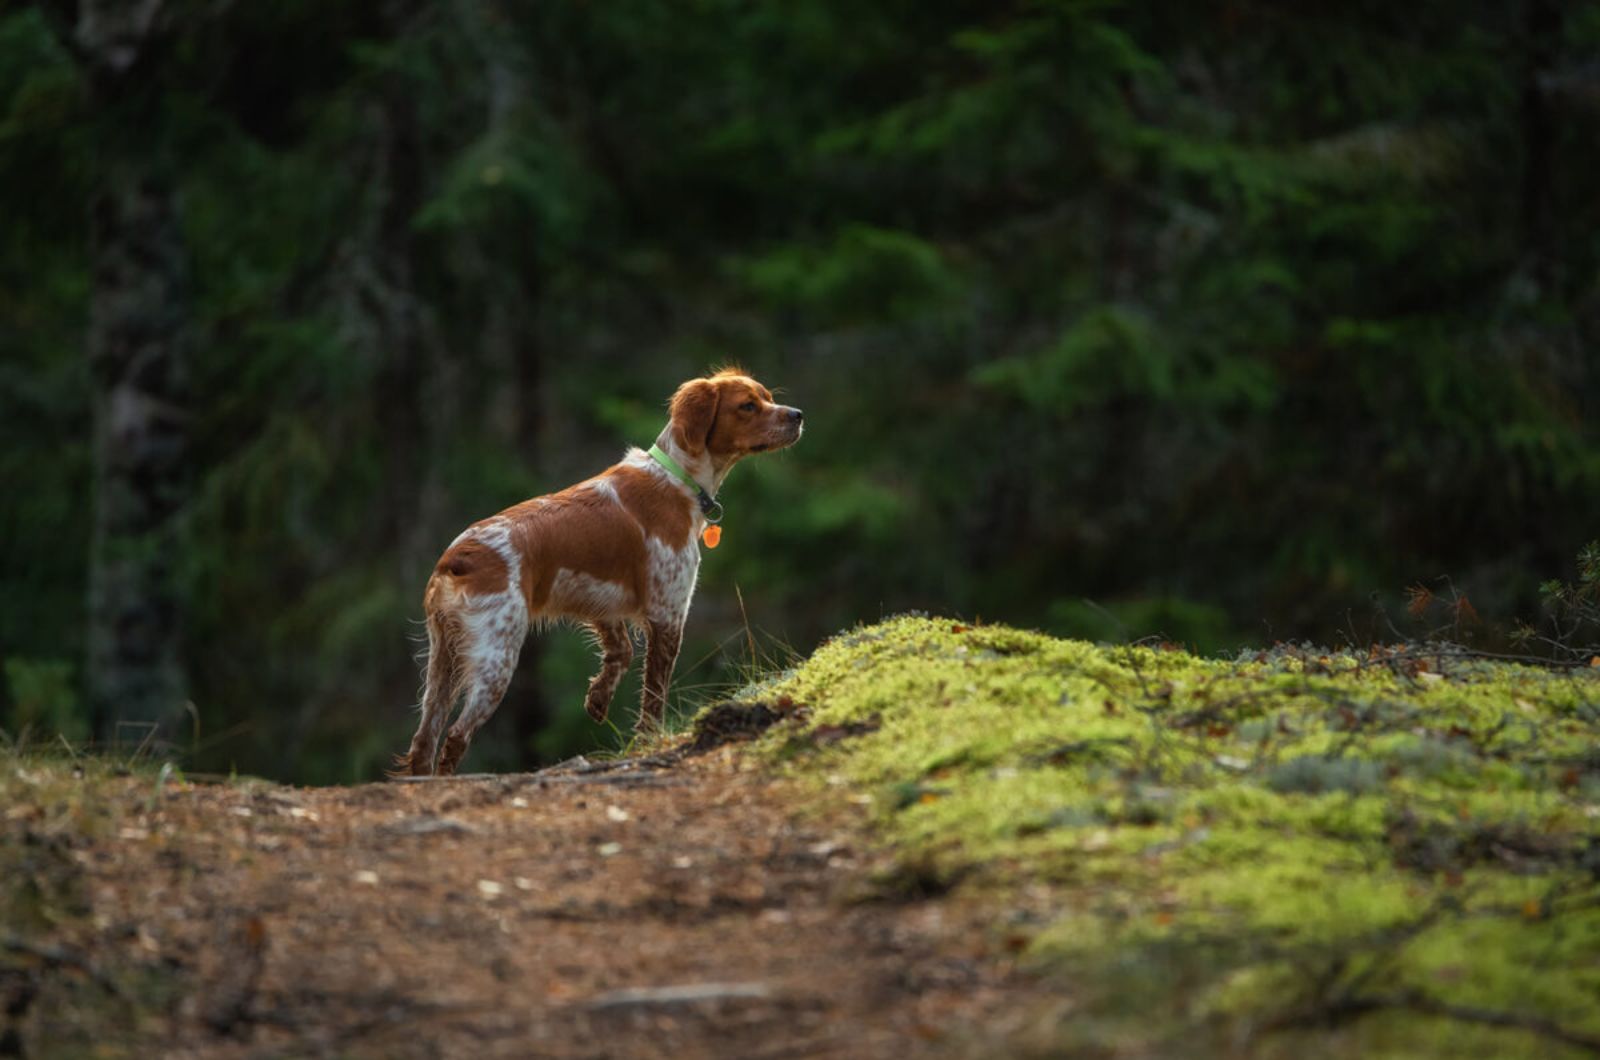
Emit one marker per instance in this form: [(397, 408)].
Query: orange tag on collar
[(712, 535)]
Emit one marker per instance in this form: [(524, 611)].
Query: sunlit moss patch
[(1384, 855)]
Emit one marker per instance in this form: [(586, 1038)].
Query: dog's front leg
[(616, 652), (660, 657)]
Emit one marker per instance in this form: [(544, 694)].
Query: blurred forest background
[(1227, 322)]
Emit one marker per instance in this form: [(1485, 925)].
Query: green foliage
[(44, 698), (1582, 596), (1225, 320), (1229, 858), (43, 380), (864, 274)]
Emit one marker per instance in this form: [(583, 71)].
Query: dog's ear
[(694, 412)]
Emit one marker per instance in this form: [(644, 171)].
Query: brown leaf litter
[(662, 906)]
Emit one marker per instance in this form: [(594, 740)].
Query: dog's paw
[(410, 764), (596, 707), (455, 748)]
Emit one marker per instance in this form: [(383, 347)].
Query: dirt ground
[(666, 906)]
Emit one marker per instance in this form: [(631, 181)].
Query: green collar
[(708, 504)]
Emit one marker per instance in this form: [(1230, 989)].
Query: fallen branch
[(640, 779), (572, 771), (693, 994)]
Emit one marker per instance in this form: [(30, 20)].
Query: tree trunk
[(139, 380), (140, 388)]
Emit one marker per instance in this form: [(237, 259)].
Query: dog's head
[(729, 415)]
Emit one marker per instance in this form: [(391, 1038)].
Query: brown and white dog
[(615, 551)]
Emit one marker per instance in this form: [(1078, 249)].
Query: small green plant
[(1572, 612)]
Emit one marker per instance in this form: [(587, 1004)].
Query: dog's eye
[(748, 406)]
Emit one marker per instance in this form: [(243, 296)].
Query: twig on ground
[(60, 957)]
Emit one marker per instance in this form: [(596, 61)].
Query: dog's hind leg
[(495, 631), (483, 696), (616, 648), (441, 686)]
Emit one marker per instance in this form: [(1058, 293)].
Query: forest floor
[(670, 905), (940, 839)]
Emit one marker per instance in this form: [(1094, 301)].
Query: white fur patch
[(496, 533), (585, 596), (496, 626), (636, 457), (496, 623), (673, 572)]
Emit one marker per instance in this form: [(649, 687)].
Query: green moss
[(1240, 851)]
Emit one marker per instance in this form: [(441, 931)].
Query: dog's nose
[(797, 415)]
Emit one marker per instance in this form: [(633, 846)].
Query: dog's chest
[(672, 576)]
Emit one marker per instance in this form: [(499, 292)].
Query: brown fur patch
[(694, 414), (660, 508), (474, 567), (579, 529)]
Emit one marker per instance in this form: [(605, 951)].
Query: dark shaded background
[(1218, 321)]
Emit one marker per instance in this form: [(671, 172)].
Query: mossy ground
[(1290, 853)]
